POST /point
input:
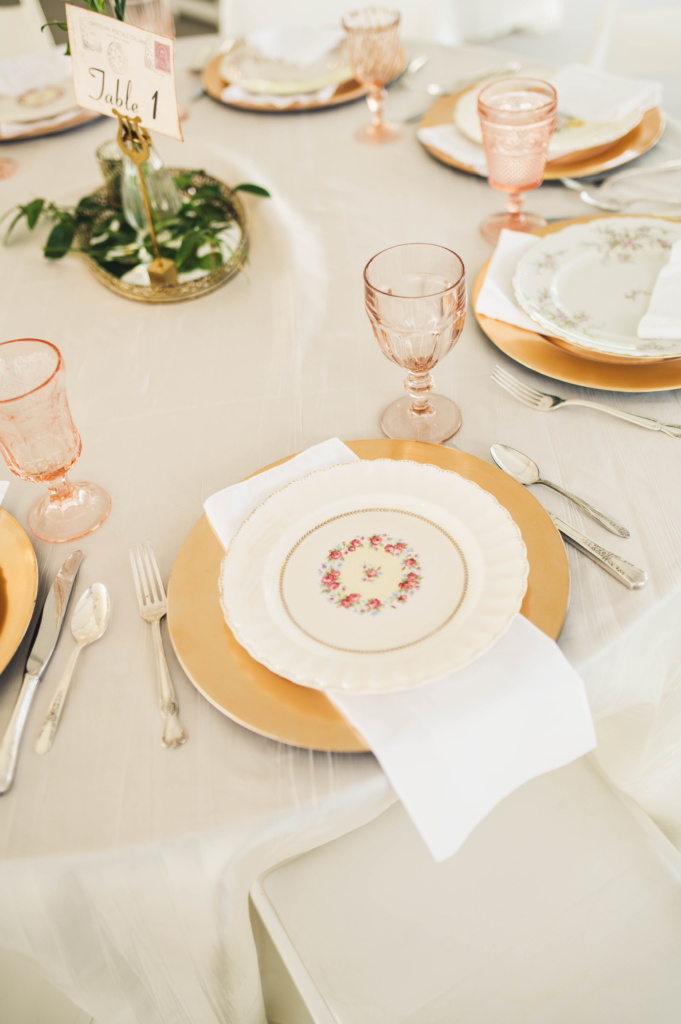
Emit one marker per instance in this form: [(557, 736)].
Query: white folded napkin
[(448, 139), (451, 749), (33, 71), (4, 484), (233, 94), (295, 44), (663, 316), (594, 95), (496, 298)]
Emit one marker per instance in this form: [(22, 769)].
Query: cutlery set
[(89, 623), (523, 469)]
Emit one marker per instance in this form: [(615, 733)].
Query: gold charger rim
[(214, 85), (635, 143), (83, 117), (550, 356), (278, 709), (18, 585)]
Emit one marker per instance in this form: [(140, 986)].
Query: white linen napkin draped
[(234, 94), (663, 316), (496, 298), (295, 44), (33, 71), (451, 749)]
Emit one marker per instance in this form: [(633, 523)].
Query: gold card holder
[(134, 141)]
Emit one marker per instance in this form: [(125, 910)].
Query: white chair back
[(635, 39), (20, 29)]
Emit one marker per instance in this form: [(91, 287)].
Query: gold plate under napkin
[(215, 85), (577, 165), (18, 585), (79, 117), (258, 699), (556, 358)]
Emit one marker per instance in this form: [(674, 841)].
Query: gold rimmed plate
[(561, 361), (18, 585), (80, 117), (215, 85), (576, 165), (272, 706)]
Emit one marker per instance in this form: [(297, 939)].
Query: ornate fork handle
[(671, 429), (173, 731)]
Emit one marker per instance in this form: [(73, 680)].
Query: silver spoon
[(89, 622), (526, 472)]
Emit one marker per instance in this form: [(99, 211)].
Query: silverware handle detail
[(671, 429), (630, 575), (49, 727), (590, 510), (173, 730), (9, 749)]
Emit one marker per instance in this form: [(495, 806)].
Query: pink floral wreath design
[(336, 591)]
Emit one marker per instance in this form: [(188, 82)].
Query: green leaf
[(186, 254), (119, 9), (60, 24), (33, 211), (60, 239), (257, 190)]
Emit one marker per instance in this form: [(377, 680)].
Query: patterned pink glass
[(517, 118), (375, 57), (40, 442), (152, 15), (416, 302)]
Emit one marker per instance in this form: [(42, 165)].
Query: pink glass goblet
[(152, 15), (375, 58), (416, 302), (40, 442), (517, 118)]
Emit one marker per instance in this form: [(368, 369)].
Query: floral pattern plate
[(591, 284), (373, 576)]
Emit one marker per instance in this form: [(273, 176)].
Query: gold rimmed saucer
[(18, 585), (575, 165), (562, 361), (272, 706)]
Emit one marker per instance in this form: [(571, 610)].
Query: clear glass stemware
[(40, 442), (416, 302), (375, 58), (517, 118)]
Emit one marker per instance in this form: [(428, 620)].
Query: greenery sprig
[(194, 237), (98, 7)]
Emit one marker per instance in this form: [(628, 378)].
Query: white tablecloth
[(125, 867)]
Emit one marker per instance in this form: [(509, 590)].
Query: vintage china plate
[(18, 585), (215, 85), (257, 68), (580, 164), (591, 284), (550, 356), (267, 704), (38, 104), (373, 576), (575, 137)]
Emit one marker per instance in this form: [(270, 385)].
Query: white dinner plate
[(287, 61), (373, 576), (574, 137), (591, 283), (38, 104)]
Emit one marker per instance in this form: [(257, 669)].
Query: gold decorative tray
[(185, 289)]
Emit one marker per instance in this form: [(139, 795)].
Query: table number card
[(120, 66)]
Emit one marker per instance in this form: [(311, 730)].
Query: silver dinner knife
[(39, 656), (630, 575)]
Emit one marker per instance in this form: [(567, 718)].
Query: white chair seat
[(563, 907)]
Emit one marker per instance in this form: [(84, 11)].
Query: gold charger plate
[(214, 85), (550, 356), (267, 704), (577, 165), (18, 585), (82, 117)]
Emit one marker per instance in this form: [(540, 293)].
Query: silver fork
[(153, 605), (546, 403)]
